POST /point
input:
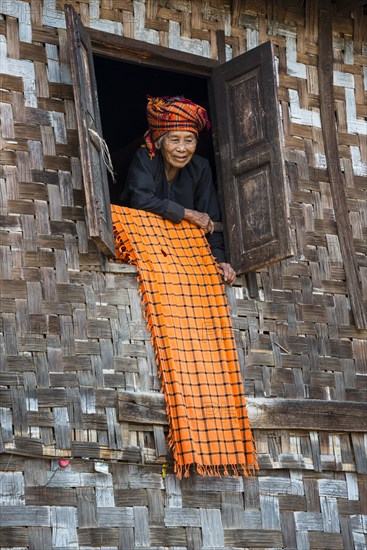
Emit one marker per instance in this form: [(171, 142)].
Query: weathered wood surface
[(87, 112), (71, 335), (310, 414), (337, 181), (123, 48), (150, 509), (250, 160), (73, 332)]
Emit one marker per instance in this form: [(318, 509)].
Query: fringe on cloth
[(188, 316)]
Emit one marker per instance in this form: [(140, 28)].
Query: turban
[(167, 114)]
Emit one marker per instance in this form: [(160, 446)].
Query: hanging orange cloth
[(186, 310)]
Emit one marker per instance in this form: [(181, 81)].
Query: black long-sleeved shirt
[(192, 188)]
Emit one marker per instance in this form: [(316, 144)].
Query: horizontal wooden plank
[(194, 499), (13, 537), (38, 496), (115, 517), (129, 49), (131, 497), (22, 516), (307, 414), (323, 540), (168, 536), (142, 408), (98, 537), (254, 538)]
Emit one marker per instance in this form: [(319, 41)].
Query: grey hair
[(158, 142)]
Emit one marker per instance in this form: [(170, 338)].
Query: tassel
[(101, 144)]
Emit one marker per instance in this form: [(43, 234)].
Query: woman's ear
[(158, 142)]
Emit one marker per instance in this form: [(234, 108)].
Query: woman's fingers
[(228, 273), (201, 219)]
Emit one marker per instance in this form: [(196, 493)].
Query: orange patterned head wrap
[(167, 114)]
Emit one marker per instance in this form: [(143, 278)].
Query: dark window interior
[(122, 94)]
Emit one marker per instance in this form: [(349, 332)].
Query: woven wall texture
[(72, 332), (130, 507)]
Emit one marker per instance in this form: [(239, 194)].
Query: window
[(245, 126), (122, 97), (87, 112), (250, 160)]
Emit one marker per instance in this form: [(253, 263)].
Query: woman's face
[(178, 148)]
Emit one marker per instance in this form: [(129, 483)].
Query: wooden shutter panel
[(250, 163), (87, 112)]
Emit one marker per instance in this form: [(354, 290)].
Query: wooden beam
[(142, 408), (221, 45), (264, 414), (327, 106), (137, 51), (308, 414), (346, 7)]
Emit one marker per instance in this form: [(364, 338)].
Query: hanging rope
[(102, 146)]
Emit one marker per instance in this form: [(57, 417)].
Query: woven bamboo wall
[(72, 334), (88, 505)]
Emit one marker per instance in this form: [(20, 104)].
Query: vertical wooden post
[(221, 46), (325, 72)]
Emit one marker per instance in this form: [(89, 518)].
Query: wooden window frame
[(134, 51)]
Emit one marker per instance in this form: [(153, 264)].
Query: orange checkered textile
[(167, 114), (187, 313)]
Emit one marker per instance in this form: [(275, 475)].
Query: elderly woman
[(167, 178)]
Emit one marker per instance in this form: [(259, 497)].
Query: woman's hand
[(227, 272), (200, 219)]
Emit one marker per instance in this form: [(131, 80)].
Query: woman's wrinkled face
[(178, 148)]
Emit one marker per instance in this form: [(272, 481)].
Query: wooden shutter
[(250, 163), (87, 112)]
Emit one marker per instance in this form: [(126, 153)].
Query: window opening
[(122, 95), (241, 166)]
